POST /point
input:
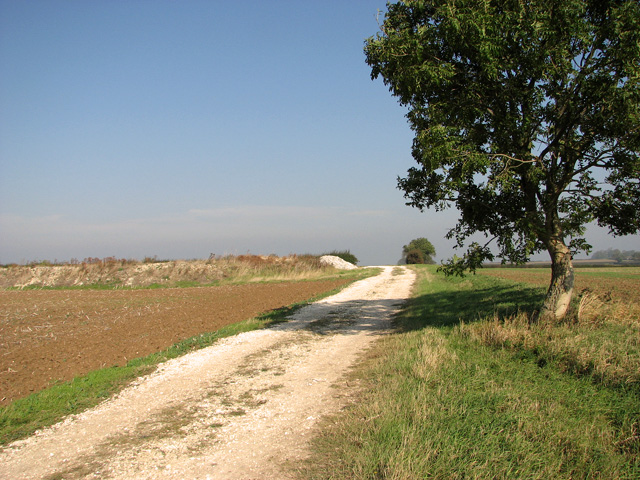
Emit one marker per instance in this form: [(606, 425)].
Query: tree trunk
[(560, 290)]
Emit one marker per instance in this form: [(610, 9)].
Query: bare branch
[(508, 157)]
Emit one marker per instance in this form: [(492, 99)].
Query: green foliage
[(422, 245), (414, 257), (519, 109), (345, 255)]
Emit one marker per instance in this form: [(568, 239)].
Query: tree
[(422, 245), (526, 118)]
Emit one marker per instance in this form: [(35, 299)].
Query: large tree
[(526, 117)]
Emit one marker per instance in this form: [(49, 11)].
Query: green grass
[(24, 416), (440, 402)]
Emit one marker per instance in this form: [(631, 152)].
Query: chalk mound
[(336, 262)]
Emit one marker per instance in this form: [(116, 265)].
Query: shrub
[(414, 257), (345, 255)]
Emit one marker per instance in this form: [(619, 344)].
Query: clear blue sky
[(184, 128)]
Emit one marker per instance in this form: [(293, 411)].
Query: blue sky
[(184, 128)]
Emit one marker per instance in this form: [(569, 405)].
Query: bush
[(345, 255), (414, 257)]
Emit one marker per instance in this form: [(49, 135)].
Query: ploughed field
[(620, 283), (49, 336)]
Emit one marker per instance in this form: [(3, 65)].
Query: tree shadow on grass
[(451, 307), (459, 301)]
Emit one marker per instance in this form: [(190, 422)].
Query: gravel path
[(243, 408)]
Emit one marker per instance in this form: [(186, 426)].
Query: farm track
[(243, 408)]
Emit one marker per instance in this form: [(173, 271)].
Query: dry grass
[(112, 273), (432, 354), (601, 338)]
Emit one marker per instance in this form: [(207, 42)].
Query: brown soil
[(54, 335)]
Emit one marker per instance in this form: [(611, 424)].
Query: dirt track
[(241, 409)]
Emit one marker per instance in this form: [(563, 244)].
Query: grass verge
[(441, 399), (24, 416)]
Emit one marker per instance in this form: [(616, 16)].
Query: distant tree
[(519, 109), (618, 256), (414, 257), (615, 254), (424, 246), (601, 255)]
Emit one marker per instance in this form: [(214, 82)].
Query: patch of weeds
[(168, 423), (250, 400), (271, 388), (78, 471), (258, 362)]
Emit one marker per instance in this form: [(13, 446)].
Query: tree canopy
[(423, 246), (526, 118)]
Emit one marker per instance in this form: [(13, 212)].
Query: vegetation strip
[(24, 416), (455, 394)]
